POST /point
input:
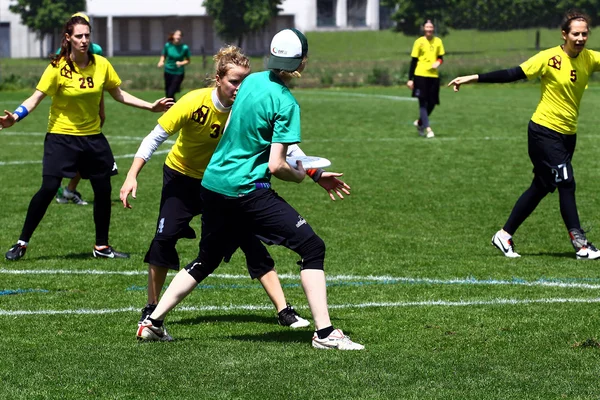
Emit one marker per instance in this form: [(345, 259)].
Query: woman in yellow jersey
[(75, 79), (423, 77), (200, 118), (564, 72)]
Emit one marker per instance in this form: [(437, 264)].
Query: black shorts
[(173, 84), (550, 153), (262, 214), (427, 89), (180, 202), (91, 155)]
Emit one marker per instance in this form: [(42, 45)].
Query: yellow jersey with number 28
[(76, 95)]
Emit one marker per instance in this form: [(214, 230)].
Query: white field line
[(345, 95), (429, 303), (108, 137), (5, 163), (333, 278)]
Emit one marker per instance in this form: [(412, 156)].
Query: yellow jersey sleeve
[(111, 80), (48, 83), (427, 52), (200, 125), (563, 82), (76, 95)]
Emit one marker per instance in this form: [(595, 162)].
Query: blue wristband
[(21, 111)]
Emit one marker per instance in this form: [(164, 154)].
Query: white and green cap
[(288, 48)]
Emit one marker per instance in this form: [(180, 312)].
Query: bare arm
[(122, 96), (161, 61), (10, 118), (279, 166), (182, 63), (130, 184), (144, 153)]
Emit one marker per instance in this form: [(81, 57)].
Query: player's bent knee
[(313, 253), (200, 270)]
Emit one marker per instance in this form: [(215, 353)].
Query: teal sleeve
[(287, 125)]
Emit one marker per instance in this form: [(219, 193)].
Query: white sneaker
[(419, 127), (430, 134), (335, 340), (149, 332), (507, 247), (588, 252), (584, 250)]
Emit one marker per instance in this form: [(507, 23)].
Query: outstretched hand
[(129, 186), (462, 80), (7, 120), (330, 182), (162, 104)]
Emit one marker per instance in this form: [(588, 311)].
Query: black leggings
[(425, 109), (41, 200), (530, 199)]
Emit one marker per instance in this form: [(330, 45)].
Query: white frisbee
[(309, 162)]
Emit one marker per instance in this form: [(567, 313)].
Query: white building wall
[(115, 13), (145, 8), (23, 42)]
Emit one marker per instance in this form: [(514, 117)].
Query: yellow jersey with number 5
[(564, 79), (200, 125), (76, 95)]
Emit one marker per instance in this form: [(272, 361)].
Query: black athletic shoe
[(289, 317), (146, 312), (108, 252), (16, 252)]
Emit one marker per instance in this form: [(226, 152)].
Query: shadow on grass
[(284, 336), (71, 256), (226, 318), (563, 254)]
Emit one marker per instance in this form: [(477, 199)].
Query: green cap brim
[(284, 63)]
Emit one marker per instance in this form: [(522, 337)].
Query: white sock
[(22, 243), (180, 287), (504, 235)]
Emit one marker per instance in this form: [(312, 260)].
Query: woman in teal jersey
[(175, 56)]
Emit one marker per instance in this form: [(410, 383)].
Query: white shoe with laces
[(430, 134), (148, 332), (507, 247), (584, 250), (335, 340)]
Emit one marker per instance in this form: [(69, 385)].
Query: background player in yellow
[(423, 77), (75, 79), (69, 193), (199, 117), (564, 72)]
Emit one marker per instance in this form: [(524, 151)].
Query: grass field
[(337, 58), (412, 275)]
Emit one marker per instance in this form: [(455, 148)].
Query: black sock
[(156, 322), (323, 333)]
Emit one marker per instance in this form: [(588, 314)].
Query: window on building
[(326, 12), (357, 12), (4, 39)]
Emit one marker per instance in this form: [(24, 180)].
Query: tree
[(485, 14), (46, 17), (410, 15), (235, 18)]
